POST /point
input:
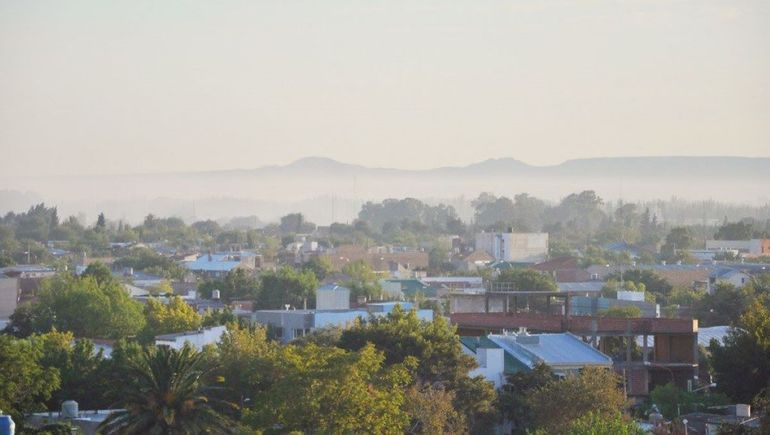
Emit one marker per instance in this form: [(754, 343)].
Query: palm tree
[(167, 394)]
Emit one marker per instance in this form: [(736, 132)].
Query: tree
[(25, 384), (742, 364), (98, 271), (82, 370), (295, 223), (83, 306), (724, 305), (593, 390), (742, 230), (401, 335), (321, 266), (514, 396), (237, 284), (653, 282), (673, 401), (168, 392), (527, 279), (363, 281), (246, 359), (595, 424), (101, 222), (678, 239), (287, 286), (432, 411), (328, 390), (176, 316)]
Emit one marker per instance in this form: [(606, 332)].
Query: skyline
[(140, 87)]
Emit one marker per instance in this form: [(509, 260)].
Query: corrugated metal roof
[(555, 350)]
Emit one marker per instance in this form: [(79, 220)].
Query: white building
[(751, 247), (196, 339), (514, 247)]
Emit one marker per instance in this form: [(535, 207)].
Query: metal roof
[(555, 350)]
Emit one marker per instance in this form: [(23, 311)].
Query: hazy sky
[(144, 86)]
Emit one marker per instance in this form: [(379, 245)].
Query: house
[(197, 339), (753, 247), (217, 265), (406, 288), (514, 247), (563, 269), (728, 275), (474, 261), (287, 325), (564, 353)]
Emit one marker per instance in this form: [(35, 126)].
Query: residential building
[(197, 339), (564, 353), (217, 265), (514, 247), (9, 299), (753, 247)]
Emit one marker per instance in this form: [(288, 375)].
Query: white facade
[(514, 247), (196, 339), (753, 247), (491, 365), (332, 297)]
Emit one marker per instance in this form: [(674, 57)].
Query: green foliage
[(329, 390), (81, 369), (436, 348), (394, 216), (83, 306), (431, 409), (167, 391), (560, 402), (742, 230), (176, 316), (25, 384), (527, 279), (724, 305), (626, 312), (287, 286), (678, 239), (321, 266), (653, 283), (596, 424), (742, 364), (673, 401), (295, 223), (363, 281), (147, 260), (514, 396), (237, 284)]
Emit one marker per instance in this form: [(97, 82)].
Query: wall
[(9, 296)]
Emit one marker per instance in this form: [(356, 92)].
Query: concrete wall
[(491, 365), (515, 247), (9, 296), (337, 298)]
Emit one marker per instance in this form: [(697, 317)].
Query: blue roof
[(555, 350)]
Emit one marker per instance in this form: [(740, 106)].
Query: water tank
[(7, 426), (69, 409), (215, 294)]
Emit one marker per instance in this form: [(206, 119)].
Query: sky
[(95, 87)]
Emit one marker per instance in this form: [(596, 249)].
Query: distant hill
[(327, 189), (641, 167)]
